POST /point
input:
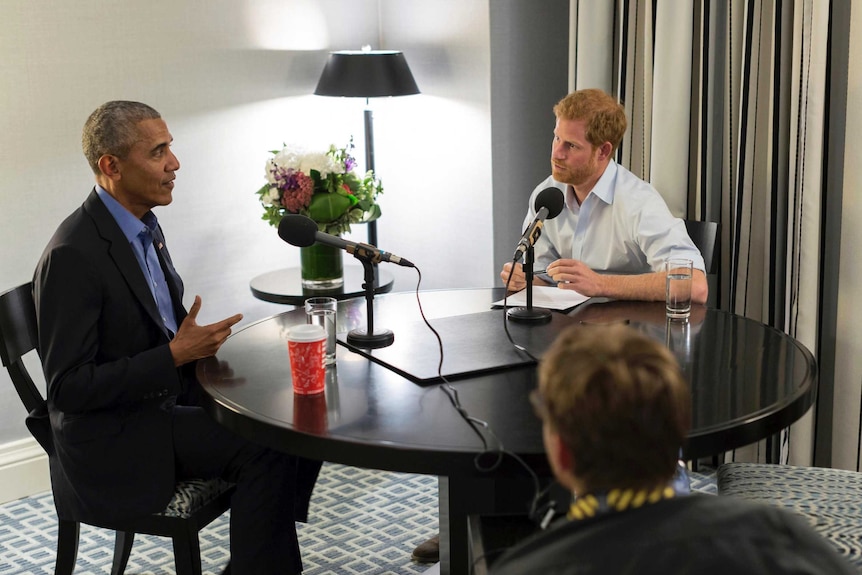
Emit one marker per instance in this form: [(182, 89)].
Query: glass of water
[(678, 288), (322, 311)]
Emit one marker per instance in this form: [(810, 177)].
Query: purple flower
[(349, 163)]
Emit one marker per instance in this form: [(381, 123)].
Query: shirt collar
[(604, 188), (131, 226)]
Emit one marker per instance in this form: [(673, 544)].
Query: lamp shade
[(366, 74)]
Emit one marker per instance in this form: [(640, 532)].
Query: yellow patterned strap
[(591, 505)]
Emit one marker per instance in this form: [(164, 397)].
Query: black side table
[(285, 286)]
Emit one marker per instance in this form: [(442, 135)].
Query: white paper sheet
[(548, 297)]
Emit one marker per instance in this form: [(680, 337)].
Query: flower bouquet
[(323, 186)]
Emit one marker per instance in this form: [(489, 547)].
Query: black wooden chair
[(705, 237), (195, 503)]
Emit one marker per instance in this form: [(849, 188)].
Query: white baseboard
[(23, 470)]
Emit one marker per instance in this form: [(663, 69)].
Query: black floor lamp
[(367, 74)]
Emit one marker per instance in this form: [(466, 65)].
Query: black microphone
[(548, 205), (301, 231)]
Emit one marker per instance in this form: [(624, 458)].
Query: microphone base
[(360, 338), (529, 315)]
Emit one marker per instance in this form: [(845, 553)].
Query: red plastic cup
[(306, 346)]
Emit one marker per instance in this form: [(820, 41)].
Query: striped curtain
[(726, 104)]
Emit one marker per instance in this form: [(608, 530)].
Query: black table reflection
[(748, 382)]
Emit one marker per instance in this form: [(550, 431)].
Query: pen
[(544, 271)]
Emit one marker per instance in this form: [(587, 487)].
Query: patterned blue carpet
[(362, 522)]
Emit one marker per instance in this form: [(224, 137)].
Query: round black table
[(748, 382), (285, 286)]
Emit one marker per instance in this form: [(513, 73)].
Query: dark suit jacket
[(110, 374), (701, 534)]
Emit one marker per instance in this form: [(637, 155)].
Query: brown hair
[(604, 115), (620, 404), (112, 129)]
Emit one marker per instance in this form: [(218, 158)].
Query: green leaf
[(372, 214), (325, 208), (263, 191)]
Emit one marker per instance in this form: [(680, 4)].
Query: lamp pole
[(369, 163)]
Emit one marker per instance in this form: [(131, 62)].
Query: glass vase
[(322, 267)]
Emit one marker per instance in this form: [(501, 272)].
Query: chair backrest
[(705, 236), (18, 337)]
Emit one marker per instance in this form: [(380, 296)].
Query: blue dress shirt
[(140, 236)]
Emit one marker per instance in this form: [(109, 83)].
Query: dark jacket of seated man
[(615, 409), (701, 534)]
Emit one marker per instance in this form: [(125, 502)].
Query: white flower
[(299, 158), (271, 197), (320, 161)]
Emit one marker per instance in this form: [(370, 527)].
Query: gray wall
[(529, 74)]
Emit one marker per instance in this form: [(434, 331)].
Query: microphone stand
[(369, 339), (529, 314)]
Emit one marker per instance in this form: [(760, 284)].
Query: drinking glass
[(322, 311), (678, 287)]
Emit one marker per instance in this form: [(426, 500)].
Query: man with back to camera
[(119, 350), (615, 408), (615, 230)]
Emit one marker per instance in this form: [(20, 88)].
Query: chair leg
[(67, 547), (187, 553), (122, 550)]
